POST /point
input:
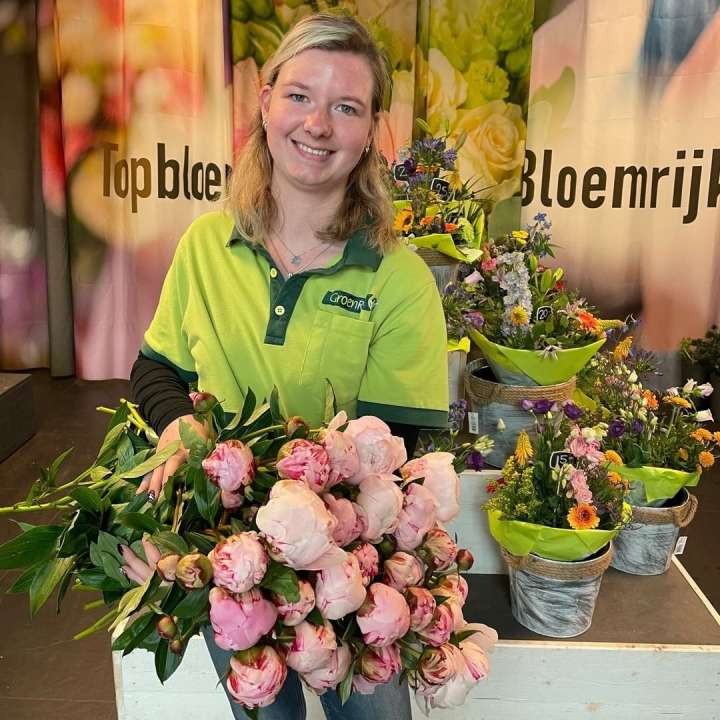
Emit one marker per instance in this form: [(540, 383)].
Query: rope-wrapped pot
[(443, 267)]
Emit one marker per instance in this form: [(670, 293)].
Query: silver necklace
[(296, 258), (311, 260)]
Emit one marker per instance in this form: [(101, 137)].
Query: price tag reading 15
[(560, 458)]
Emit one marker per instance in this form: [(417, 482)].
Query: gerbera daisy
[(518, 315), (650, 399), (677, 401), (701, 435), (523, 449), (706, 459), (612, 457), (716, 435), (588, 321), (583, 517)]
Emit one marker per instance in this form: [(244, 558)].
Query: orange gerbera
[(706, 459), (427, 220), (701, 435), (589, 322), (614, 477), (650, 399), (677, 401), (451, 227), (583, 517), (612, 457)]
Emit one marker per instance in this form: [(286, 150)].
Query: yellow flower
[(677, 401), (518, 315), (682, 453), (521, 236), (403, 220), (523, 449), (614, 478), (706, 459), (622, 349), (612, 457), (583, 517), (717, 437), (701, 435)]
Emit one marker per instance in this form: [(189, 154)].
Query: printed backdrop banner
[(624, 156)]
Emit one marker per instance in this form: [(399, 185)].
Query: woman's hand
[(136, 569), (154, 481)]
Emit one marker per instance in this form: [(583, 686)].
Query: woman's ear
[(264, 96)]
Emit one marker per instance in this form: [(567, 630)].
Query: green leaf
[(275, 406), (22, 582), (202, 542), (423, 126), (119, 418), (166, 663), (248, 406), (457, 638), (125, 454), (54, 468), (345, 687), (207, 495), (130, 601), (47, 577), (133, 635), (107, 449), (192, 440), (170, 542), (97, 579), (315, 617), (140, 521), (29, 548), (195, 602), (547, 281), (87, 499), (155, 461), (252, 713), (282, 580), (330, 404)]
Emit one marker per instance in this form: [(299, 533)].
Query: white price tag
[(680, 545), (473, 423)]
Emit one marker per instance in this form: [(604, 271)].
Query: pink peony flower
[(328, 676), (376, 666), (344, 460), (438, 666), (293, 613), (402, 570), (298, 527), (379, 451), (368, 560), (307, 461), (453, 585), (239, 562), (231, 500), (384, 616), (422, 606), (450, 694), (476, 661), (256, 676), (439, 550), (483, 636), (454, 604), (349, 523), (417, 516), (193, 571), (339, 590), (578, 480), (240, 622), (438, 630), (382, 500), (440, 479), (230, 465), (311, 648)]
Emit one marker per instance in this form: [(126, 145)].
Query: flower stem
[(99, 625), (19, 508), (263, 431)]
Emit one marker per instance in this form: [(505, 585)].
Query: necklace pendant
[(295, 259)]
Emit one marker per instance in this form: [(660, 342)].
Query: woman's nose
[(317, 123)]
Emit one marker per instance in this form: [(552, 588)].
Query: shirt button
[(273, 273), (279, 310)]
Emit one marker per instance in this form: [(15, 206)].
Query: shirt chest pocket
[(337, 349)]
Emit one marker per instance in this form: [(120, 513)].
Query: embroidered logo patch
[(345, 300)]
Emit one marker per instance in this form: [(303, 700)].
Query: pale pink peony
[(298, 527), (450, 694), (350, 523), (483, 636), (401, 570), (368, 560), (328, 676), (240, 622), (339, 590), (384, 616), (382, 500), (256, 676), (578, 481), (230, 465), (231, 500), (476, 661), (454, 585), (376, 666), (438, 630), (307, 461), (293, 613), (422, 606), (438, 550), (417, 516), (239, 562), (438, 666), (454, 604), (440, 479), (378, 449), (311, 648), (344, 460)]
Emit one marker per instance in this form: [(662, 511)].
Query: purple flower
[(637, 426), (475, 460), (475, 318), (617, 428), (527, 404), (410, 165), (572, 411), (543, 406)]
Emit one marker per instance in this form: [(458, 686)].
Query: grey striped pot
[(645, 546), (553, 597)]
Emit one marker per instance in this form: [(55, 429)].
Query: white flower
[(704, 416), (689, 386), (672, 391), (633, 378), (501, 425), (705, 389)]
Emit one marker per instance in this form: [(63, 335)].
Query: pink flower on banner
[(311, 648), (256, 676), (376, 666), (440, 479), (344, 460), (349, 523), (230, 465), (329, 676), (240, 622), (368, 560), (578, 480), (439, 629), (454, 585), (339, 590), (293, 613), (298, 527), (439, 550), (438, 666), (417, 516), (378, 449), (422, 606), (231, 500), (382, 500), (384, 616), (402, 570), (307, 461), (239, 562)]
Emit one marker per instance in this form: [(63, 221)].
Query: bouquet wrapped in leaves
[(319, 549)]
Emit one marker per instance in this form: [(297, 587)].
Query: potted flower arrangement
[(535, 331), (554, 511), (704, 354), (313, 549), (658, 445)]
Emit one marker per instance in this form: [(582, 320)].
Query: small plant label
[(400, 172), (543, 313), (441, 187), (560, 458), (473, 423), (680, 545)]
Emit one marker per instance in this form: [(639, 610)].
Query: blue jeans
[(388, 702)]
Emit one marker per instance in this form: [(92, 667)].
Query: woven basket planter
[(443, 267)]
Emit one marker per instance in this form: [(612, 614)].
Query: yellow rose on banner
[(446, 91), (395, 127), (494, 151)]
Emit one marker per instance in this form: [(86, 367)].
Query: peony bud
[(256, 676), (240, 621), (377, 665), (230, 466), (438, 631), (464, 559), (166, 566), (368, 560), (422, 605), (166, 627), (307, 461), (293, 613), (298, 425), (384, 616), (176, 647), (438, 550), (194, 571), (203, 402), (437, 665), (239, 562), (402, 570)]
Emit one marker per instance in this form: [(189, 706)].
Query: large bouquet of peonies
[(320, 550)]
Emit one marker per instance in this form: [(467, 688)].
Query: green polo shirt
[(371, 324)]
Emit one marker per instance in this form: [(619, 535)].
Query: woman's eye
[(296, 97), (347, 109)]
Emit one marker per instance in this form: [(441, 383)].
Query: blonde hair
[(367, 203)]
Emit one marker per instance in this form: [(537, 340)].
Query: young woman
[(302, 282)]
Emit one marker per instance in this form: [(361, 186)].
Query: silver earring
[(264, 124), (367, 148)]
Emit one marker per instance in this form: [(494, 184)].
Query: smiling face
[(319, 119)]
